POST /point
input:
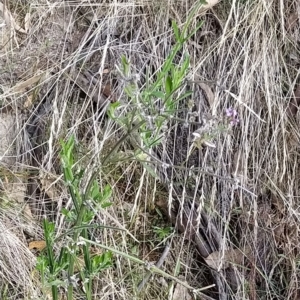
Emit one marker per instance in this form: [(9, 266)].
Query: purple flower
[(230, 112), (234, 122), (232, 116)]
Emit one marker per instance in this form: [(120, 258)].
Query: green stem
[(49, 243), (151, 268), (72, 255), (88, 266)]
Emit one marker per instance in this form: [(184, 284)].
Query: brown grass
[(247, 54)]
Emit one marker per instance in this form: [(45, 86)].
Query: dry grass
[(247, 53)]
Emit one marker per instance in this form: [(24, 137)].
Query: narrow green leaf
[(177, 267), (95, 191), (106, 205), (71, 142), (158, 94), (194, 31), (168, 85), (125, 65), (68, 174), (186, 62), (106, 194), (176, 31), (185, 95), (111, 109)]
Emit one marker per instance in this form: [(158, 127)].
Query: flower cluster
[(232, 115)]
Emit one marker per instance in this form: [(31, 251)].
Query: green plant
[(4, 291), (162, 232), (155, 103), (151, 108), (54, 268)]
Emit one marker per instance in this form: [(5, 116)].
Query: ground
[(183, 118)]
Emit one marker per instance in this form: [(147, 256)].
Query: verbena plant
[(58, 269), (155, 103)]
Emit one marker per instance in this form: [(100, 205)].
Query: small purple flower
[(230, 112), (234, 122), (232, 115)]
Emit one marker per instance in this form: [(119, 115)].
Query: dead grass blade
[(9, 19), (23, 86)]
